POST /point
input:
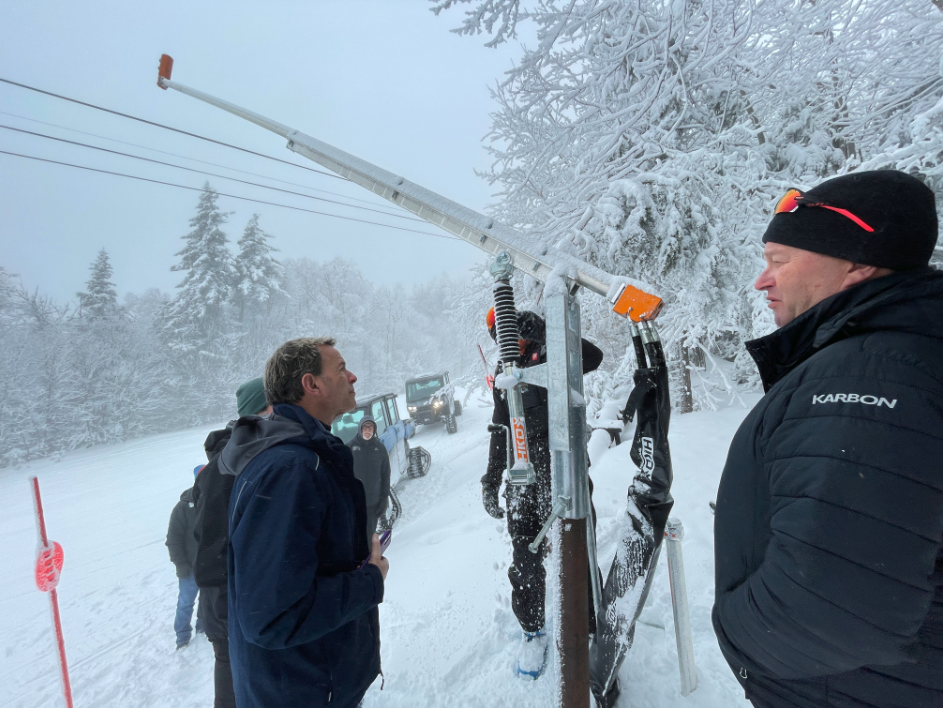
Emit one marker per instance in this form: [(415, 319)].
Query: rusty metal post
[(573, 635)]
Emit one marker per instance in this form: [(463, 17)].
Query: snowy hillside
[(448, 632)]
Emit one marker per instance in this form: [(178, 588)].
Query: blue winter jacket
[(303, 620)]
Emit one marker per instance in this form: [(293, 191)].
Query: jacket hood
[(252, 435), (910, 302), (367, 419), (216, 441)]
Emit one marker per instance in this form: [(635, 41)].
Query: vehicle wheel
[(451, 425), (416, 467), (458, 408)]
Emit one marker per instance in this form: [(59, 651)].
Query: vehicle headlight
[(436, 404), (412, 409)]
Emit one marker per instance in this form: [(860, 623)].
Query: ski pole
[(674, 533), (48, 568)]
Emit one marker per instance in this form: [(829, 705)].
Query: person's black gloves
[(489, 497), (184, 571)]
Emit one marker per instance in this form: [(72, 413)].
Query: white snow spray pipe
[(48, 567)]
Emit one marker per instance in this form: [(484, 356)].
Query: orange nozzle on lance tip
[(166, 66), (637, 305)]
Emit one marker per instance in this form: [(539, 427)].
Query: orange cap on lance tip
[(165, 69)]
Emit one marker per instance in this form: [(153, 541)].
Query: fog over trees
[(95, 371)]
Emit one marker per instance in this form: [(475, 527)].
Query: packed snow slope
[(448, 632)]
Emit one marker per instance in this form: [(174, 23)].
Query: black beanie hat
[(901, 209)]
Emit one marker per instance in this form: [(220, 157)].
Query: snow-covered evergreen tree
[(100, 299), (258, 276), (196, 315)]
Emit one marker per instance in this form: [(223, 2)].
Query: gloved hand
[(489, 497), (184, 571)]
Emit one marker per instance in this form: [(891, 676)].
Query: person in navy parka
[(829, 521), (303, 619)]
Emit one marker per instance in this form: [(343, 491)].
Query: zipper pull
[(743, 673)]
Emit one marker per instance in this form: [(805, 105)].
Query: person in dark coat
[(829, 521), (211, 496), (372, 468), (528, 505), (303, 617), (182, 547)]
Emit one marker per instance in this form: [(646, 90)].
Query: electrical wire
[(193, 159), (223, 194), (204, 172), (167, 127)]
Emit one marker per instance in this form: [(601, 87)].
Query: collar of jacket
[(328, 446), (910, 301)]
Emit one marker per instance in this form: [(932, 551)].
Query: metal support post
[(567, 428), (674, 533)]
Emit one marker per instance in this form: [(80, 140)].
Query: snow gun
[(617, 607)]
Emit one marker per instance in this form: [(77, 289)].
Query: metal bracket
[(557, 513)]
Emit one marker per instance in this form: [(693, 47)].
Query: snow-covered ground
[(447, 628)]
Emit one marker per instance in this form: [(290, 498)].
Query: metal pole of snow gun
[(632, 300), (564, 363)]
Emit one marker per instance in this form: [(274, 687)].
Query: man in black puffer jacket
[(372, 468), (829, 523)]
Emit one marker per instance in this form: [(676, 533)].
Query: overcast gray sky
[(382, 79)]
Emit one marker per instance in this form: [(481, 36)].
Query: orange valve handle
[(166, 67), (637, 305)]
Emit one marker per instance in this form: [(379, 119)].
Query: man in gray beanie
[(829, 524)]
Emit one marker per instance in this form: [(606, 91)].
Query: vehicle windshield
[(347, 425), (422, 389)]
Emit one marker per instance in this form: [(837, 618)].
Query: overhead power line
[(204, 172), (167, 127), (223, 194), (193, 159)]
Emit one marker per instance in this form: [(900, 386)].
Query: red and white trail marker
[(48, 567)]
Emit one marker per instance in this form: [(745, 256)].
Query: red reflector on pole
[(48, 567)]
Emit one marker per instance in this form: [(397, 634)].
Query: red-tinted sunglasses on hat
[(793, 199)]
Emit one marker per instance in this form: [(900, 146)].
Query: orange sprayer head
[(637, 305), (166, 66)]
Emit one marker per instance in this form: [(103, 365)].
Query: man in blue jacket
[(829, 526), (303, 618)]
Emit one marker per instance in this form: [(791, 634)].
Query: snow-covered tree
[(258, 276), (196, 314), (100, 299), (651, 138)]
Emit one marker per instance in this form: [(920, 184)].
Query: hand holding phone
[(380, 544)]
